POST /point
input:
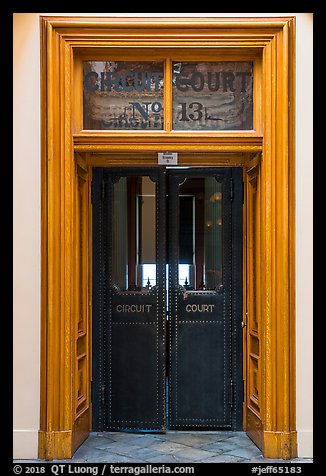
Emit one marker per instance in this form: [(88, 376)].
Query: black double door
[(167, 298)]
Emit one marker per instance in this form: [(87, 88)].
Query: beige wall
[(304, 224), (26, 235), (26, 227)]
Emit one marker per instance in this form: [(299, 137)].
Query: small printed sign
[(167, 158)]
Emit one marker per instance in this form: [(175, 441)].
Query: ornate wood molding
[(64, 41)]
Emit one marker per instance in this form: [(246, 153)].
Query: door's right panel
[(201, 376)]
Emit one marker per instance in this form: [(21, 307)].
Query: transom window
[(206, 96)]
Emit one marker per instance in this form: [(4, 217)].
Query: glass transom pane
[(119, 95), (213, 96)]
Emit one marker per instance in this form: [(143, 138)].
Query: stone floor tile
[(221, 436), (102, 456), (169, 458), (171, 447), (121, 449), (193, 454), (111, 458), (117, 445), (105, 437), (115, 436), (168, 447), (192, 440), (93, 439), (130, 439), (219, 446), (147, 440), (144, 454), (94, 453), (245, 452), (223, 458), (83, 453), (241, 440), (106, 443)]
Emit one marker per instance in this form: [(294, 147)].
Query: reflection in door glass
[(134, 234), (149, 275), (200, 234)]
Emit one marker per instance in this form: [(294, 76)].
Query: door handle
[(243, 324)]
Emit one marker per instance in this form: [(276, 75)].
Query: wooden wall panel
[(253, 309), (81, 357)]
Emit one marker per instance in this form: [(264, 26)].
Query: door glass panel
[(134, 234), (121, 95), (200, 234)]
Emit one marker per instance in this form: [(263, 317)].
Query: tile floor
[(171, 447)]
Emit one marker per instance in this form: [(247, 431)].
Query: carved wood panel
[(81, 332), (253, 315)]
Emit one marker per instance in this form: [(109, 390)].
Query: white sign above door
[(167, 158)]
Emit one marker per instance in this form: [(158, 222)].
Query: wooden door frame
[(68, 152)]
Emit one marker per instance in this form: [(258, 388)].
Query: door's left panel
[(128, 388)]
